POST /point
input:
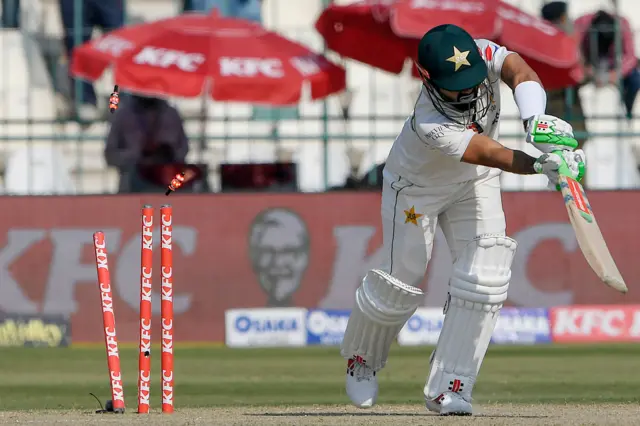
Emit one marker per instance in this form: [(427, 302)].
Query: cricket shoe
[(449, 404), (362, 383)]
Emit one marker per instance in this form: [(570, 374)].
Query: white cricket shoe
[(449, 404), (362, 384)]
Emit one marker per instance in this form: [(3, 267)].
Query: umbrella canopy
[(234, 59), (553, 54), (385, 34)]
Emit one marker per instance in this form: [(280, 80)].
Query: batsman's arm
[(484, 151), (515, 71), (528, 92)]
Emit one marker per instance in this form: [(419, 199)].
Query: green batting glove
[(573, 164), (549, 134), (561, 163)]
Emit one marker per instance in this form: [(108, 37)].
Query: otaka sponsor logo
[(327, 323), (246, 324), (521, 320), (428, 323)]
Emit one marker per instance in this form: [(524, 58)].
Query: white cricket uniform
[(426, 184)]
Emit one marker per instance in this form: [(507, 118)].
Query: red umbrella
[(240, 61), (413, 18), (551, 53), (385, 35), (361, 31)]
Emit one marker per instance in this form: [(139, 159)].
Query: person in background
[(146, 132), (10, 14), (105, 14), (596, 34), (245, 9), (565, 103)]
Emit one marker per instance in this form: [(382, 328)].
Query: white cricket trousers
[(410, 214)]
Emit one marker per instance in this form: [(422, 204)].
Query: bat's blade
[(588, 234)]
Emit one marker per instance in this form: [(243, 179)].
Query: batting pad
[(383, 304), (478, 288)]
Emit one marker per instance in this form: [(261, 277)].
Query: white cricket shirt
[(428, 150)]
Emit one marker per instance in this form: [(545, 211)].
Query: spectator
[(565, 103), (10, 14), (244, 9), (106, 14), (146, 132), (596, 33)]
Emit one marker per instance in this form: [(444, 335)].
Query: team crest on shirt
[(412, 216)]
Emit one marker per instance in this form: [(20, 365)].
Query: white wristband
[(530, 98)]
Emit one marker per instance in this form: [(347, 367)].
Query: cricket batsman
[(444, 169)]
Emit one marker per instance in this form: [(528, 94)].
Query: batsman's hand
[(549, 134), (561, 163)]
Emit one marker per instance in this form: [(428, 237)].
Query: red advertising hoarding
[(596, 323), (258, 250)]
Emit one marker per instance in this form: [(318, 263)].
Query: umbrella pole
[(325, 119), (203, 127)]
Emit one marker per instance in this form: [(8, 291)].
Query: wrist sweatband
[(530, 98)]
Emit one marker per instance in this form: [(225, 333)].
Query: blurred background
[(281, 221), (333, 143)]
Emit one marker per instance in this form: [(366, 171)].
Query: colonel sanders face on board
[(279, 252)]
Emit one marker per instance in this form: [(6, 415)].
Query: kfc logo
[(113, 45), (251, 67), (453, 5), (309, 65), (525, 20), (595, 323), (165, 58)]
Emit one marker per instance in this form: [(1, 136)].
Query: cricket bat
[(588, 234)]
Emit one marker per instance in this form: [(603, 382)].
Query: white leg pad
[(383, 305), (478, 288)]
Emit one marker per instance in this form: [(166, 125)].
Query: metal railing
[(237, 133)]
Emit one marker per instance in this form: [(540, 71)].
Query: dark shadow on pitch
[(509, 416), (359, 414), (335, 414)]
